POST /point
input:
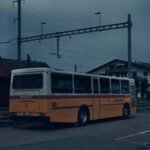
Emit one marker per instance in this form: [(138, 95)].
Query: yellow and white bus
[(59, 96)]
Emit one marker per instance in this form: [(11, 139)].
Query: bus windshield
[(28, 81)]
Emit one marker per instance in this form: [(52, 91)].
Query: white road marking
[(138, 143), (131, 135)]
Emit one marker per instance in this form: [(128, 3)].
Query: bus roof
[(25, 70), (31, 70)]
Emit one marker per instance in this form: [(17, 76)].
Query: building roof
[(6, 65), (141, 65)]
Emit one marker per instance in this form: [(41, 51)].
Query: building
[(119, 68), (6, 65)]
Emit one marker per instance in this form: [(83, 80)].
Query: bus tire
[(126, 111), (83, 116)]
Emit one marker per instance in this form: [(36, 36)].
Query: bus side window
[(115, 86), (82, 84), (61, 83), (125, 88), (95, 86), (104, 85)]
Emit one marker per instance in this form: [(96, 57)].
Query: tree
[(144, 84), (141, 85)]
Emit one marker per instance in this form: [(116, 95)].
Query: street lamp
[(42, 24), (99, 15)]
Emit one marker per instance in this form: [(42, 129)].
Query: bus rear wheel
[(126, 112), (83, 116)]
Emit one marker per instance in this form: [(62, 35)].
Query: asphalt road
[(111, 134)]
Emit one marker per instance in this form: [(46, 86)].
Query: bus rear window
[(28, 81)]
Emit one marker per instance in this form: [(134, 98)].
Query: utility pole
[(75, 68), (58, 39), (99, 15), (42, 24), (19, 32), (129, 45)]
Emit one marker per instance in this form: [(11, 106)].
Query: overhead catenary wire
[(62, 22), (73, 33), (85, 55), (66, 24), (9, 41), (95, 47)]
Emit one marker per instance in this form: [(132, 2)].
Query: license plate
[(26, 114)]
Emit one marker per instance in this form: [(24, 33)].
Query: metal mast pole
[(129, 45), (58, 39), (75, 68), (19, 33)]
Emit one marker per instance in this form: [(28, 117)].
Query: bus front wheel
[(83, 116)]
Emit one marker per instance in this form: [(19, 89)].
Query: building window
[(112, 67), (125, 74), (145, 73), (117, 74), (134, 74)]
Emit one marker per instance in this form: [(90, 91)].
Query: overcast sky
[(87, 50)]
